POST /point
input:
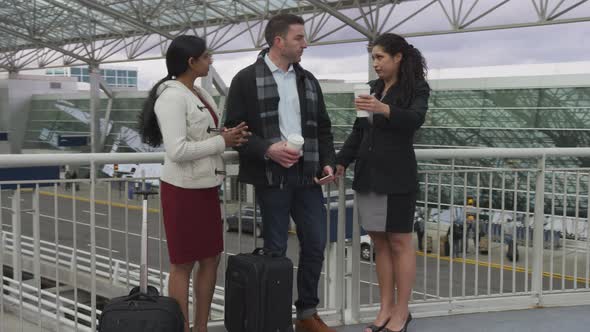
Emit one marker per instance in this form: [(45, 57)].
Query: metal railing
[(517, 257), (66, 251)]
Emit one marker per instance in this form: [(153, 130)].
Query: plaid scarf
[(268, 103)]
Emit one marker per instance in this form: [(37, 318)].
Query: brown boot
[(312, 324)]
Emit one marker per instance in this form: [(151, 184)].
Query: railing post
[(165, 290), (352, 312), (36, 238), (537, 275), (355, 258), (2, 246), (16, 235), (37, 250), (93, 244), (117, 273), (336, 256), (73, 261)]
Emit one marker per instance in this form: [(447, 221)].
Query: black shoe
[(375, 328), (404, 329)]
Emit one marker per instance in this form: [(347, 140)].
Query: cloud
[(543, 44), (556, 43)]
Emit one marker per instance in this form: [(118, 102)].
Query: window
[(75, 71), (56, 72)]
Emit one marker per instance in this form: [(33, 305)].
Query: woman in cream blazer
[(184, 119)]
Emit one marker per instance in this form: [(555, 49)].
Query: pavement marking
[(504, 267), (113, 204), (497, 266), (376, 284), (426, 294), (99, 201), (97, 213)]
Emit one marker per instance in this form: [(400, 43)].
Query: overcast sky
[(543, 44)]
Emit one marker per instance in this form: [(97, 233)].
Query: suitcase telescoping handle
[(143, 272)]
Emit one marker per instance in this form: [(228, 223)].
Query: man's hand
[(282, 155), (327, 176)]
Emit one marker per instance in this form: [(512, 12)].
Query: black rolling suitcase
[(258, 293), (143, 309)]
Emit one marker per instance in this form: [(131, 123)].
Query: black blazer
[(383, 150)]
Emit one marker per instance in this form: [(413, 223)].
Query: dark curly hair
[(413, 68), (181, 49)]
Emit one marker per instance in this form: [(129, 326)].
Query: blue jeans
[(305, 204)]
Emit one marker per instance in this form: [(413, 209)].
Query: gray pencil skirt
[(393, 213)]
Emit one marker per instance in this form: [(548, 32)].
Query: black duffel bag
[(142, 312)]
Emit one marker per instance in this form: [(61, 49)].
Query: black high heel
[(375, 328), (404, 329)]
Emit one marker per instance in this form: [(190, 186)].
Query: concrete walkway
[(563, 319)]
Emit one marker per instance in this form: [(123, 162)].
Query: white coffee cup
[(361, 89), (295, 142)]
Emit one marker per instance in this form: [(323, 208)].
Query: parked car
[(232, 222), (366, 245)]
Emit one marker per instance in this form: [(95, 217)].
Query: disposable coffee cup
[(295, 142), (361, 89)]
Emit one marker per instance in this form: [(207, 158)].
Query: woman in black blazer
[(385, 172)]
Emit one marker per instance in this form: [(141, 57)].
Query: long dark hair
[(181, 49), (413, 68)]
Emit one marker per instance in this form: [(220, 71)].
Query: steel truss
[(55, 33)]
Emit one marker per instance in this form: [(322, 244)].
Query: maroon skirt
[(192, 219)]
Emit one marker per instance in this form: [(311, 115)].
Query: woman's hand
[(371, 104), (340, 170), (235, 136)]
